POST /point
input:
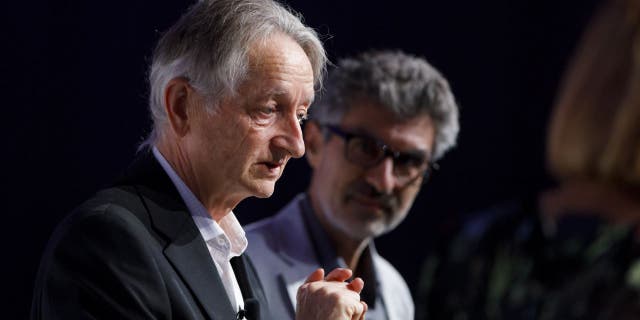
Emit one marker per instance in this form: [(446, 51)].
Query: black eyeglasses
[(368, 152)]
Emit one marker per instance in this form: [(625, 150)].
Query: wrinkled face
[(243, 146), (365, 202)]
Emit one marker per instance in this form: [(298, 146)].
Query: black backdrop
[(74, 106)]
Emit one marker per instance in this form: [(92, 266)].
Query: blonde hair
[(594, 132)]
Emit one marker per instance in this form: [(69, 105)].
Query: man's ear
[(314, 142), (176, 101)]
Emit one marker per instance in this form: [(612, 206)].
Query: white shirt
[(225, 239)]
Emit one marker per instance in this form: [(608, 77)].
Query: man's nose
[(381, 176), (290, 137)]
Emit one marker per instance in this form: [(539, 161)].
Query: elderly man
[(230, 83), (383, 121)]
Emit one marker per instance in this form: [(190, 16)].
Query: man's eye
[(268, 110), (264, 115), (409, 160), (369, 146)]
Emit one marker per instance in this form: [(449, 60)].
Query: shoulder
[(262, 234), (281, 245), (108, 233), (103, 254), (119, 208), (389, 276), (273, 232), (111, 224), (394, 289), (512, 224)]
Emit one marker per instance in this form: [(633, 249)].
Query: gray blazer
[(283, 249)]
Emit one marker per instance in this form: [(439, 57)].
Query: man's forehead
[(274, 50), (279, 68), (278, 92), (414, 133)]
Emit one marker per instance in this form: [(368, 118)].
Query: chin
[(376, 230), (262, 190), (359, 229), (374, 227)]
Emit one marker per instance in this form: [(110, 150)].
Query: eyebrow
[(422, 154), (416, 153), (426, 153), (280, 92)]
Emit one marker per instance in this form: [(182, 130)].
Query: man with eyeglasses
[(375, 135)]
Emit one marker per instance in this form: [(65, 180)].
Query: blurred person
[(374, 137), (230, 82), (571, 252)]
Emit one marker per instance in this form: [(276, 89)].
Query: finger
[(339, 274), (359, 310), (317, 275), (364, 310), (356, 285), (303, 292)]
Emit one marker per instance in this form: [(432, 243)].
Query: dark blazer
[(133, 252)]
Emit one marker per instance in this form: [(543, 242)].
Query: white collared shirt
[(225, 239)]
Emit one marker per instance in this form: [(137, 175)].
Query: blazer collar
[(184, 247)]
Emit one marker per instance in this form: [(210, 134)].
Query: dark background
[(74, 106)]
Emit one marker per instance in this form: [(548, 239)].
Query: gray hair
[(401, 83), (209, 46)]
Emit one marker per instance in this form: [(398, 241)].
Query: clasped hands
[(330, 297)]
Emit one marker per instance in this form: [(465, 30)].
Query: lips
[(272, 168), (273, 164), (366, 195), (269, 165), (370, 202)]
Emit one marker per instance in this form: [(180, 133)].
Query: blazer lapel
[(184, 248), (295, 248), (251, 288), (291, 283), (190, 257)]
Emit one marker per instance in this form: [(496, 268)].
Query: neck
[(352, 252), (217, 202)]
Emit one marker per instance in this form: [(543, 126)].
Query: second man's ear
[(314, 142)]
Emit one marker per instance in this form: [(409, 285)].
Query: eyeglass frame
[(387, 152)]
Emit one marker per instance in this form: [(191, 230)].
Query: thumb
[(356, 285), (339, 274)]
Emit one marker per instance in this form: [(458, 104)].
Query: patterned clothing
[(503, 265)]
